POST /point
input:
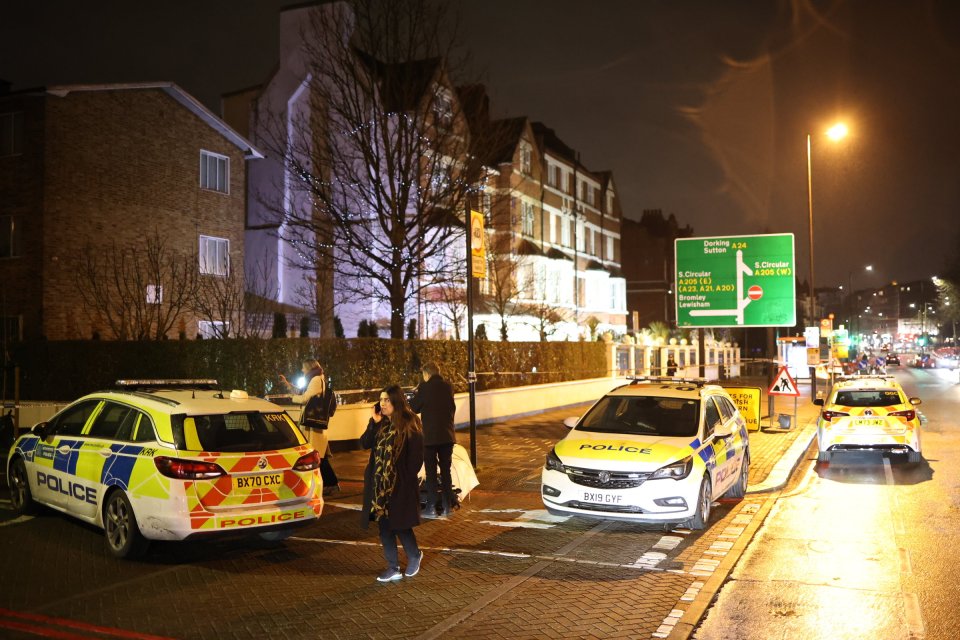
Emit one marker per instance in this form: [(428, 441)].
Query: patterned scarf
[(384, 475)]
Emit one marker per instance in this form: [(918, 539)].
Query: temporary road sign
[(736, 281), (747, 400), (478, 246), (783, 385)]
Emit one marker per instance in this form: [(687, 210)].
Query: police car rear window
[(234, 432), (868, 398), (644, 415)]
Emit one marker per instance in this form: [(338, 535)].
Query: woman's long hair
[(404, 420)]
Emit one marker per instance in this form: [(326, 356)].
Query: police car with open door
[(169, 460), (656, 451)]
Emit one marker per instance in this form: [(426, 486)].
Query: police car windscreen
[(868, 398), (644, 415), (234, 432)]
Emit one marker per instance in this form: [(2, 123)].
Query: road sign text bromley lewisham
[(736, 281)]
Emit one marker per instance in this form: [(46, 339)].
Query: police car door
[(55, 458), (103, 457), (711, 418), (732, 445)]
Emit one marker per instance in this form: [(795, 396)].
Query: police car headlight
[(676, 470), (553, 462)]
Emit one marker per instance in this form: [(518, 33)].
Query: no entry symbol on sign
[(755, 292)]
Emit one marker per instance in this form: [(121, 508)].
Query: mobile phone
[(376, 408)]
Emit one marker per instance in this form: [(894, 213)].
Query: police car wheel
[(914, 457), (20, 496), (124, 539), (704, 502), (739, 488), (824, 456)]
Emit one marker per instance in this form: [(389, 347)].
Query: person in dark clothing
[(433, 399), (391, 488), (671, 367)]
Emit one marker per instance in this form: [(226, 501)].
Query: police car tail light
[(908, 414), (188, 469), (553, 462), (675, 471), (308, 462), (833, 415)]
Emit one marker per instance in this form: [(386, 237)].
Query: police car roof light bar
[(209, 384), (700, 382)]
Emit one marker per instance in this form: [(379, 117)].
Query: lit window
[(9, 237), (11, 134), (214, 329), (214, 256), (527, 219), (214, 172), (525, 158), (154, 294)]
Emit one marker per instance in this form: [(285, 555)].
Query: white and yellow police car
[(169, 460), (655, 451), (868, 413)]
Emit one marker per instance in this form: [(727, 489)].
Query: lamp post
[(836, 132)]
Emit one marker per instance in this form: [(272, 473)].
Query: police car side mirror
[(723, 430), (571, 422), (40, 430), (915, 401), (818, 402)]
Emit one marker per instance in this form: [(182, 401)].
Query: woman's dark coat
[(404, 506)]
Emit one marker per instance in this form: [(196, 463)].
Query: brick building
[(86, 169)]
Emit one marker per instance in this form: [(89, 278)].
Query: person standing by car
[(317, 437), (433, 399), (391, 487)]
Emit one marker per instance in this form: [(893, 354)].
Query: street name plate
[(736, 281)]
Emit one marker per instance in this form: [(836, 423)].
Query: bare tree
[(139, 290), (449, 301), (503, 278), (380, 155)]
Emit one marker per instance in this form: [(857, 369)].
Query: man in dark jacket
[(433, 399)]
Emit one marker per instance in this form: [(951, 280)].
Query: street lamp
[(836, 132)]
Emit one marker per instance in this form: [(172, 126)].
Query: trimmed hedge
[(69, 369)]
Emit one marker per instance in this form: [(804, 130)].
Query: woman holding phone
[(391, 489)]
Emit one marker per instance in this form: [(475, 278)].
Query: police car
[(656, 450), (868, 413), (169, 460)]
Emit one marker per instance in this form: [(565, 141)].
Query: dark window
[(711, 419), (11, 329), (11, 134), (9, 237), (235, 432), (144, 430), (643, 415), (115, 422), (70, 421), (871, 398)]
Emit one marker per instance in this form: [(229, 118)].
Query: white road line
[(16, 521)]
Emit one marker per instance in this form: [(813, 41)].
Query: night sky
[(700, 108)]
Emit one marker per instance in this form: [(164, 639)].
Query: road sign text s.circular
[(755, 292)]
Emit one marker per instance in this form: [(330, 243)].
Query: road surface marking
[(913, 614)]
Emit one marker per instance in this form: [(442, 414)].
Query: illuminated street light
[(837, 131)]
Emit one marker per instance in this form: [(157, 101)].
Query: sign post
[(784, 385), (736, 281)]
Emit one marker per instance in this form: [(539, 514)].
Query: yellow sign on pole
[(478, 245), (747, 400)]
